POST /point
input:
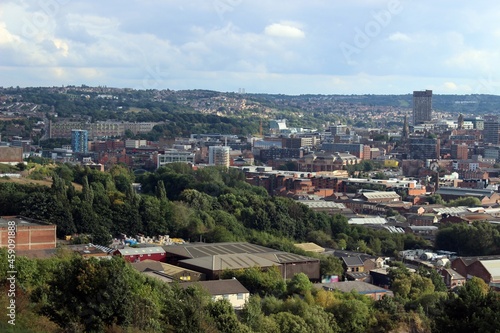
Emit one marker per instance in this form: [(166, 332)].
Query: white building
[(173, 155), (219, 155)]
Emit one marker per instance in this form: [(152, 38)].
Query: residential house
[(231, 290), (452, 278)]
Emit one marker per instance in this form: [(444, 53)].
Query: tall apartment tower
[(219, 155), (79, 141), (422, 106), (491, 131)]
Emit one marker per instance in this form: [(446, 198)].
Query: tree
[(299, 284), (80, 293)]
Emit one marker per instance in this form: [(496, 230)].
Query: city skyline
[(367, 47)]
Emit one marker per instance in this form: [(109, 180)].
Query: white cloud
[(283, 30), (399, 37)]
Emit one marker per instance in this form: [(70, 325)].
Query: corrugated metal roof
[(229, 261), (451, 210), (380, 195), (322, 204), (367, 220), (198, 250), (493, 267), (218, 287), (132, 251)]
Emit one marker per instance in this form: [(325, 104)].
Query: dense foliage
[(67, 293), (213, 204)]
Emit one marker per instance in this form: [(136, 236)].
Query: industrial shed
[(141, 253), (211, 259)]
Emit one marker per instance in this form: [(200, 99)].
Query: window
[(240, 296), (225, 296)]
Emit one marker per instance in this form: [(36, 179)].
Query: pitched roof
[(493, 267), (198, 250), (352, 261), (148, 266), (360, 286), (311, 247), (218, 287), (381, 195), (132, 251), (229, 261)]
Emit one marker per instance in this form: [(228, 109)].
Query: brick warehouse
[(30, 234)]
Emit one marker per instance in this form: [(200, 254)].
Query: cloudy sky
[(289, 47)]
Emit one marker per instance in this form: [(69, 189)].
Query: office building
[(424, 148), (491, 130), (79, 141), (219, 155), (422, 106)]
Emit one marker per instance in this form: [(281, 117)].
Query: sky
[(264, 46)]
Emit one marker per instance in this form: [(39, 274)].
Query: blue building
[(79, 141)]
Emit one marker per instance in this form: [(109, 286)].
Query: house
[(373, 263), (142, 253), (148, 266), (230, 289), (451, 278), (353, 264), (362, 288)]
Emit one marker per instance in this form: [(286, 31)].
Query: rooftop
[(198, 250), (359, 286), (20, 221), (218, 287)]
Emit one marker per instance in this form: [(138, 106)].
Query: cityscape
[(226, 166)]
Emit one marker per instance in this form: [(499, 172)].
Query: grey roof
[(352, 261), (467, 192), (149, 265), (359, 286), (367, 220), (198, 250), (322, 204), (132, 251), (229, 261), (451, 210), (218, 287), (469, 260), (454, 274), (285, 257), (381, 195), (358, 275), (172, 270), (159, 275)]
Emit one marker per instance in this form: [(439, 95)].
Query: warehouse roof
[(381, 195), (172, 269), (359, 286), (493, 267), (218, 287), (229, 261), (198, 250), (132, 251)]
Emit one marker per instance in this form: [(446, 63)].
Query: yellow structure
[(391, 163)]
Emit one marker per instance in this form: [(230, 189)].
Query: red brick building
[(131, 254), (29, 234)]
